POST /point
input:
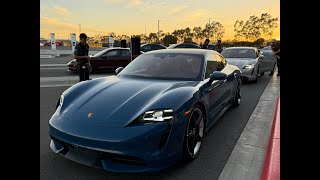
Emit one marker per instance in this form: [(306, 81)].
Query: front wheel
[(194, 134), (237, 99)]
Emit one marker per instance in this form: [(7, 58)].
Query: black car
[(151, 47), (184, 45)]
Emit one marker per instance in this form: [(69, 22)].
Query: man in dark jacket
[(83, 60)]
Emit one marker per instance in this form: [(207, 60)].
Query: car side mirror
[(217, 75), (118, 70)]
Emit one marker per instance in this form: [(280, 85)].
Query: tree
[(214, 29), (259, 42), (187, 40), (113, 34), (153, 37), (169, 39), (255, 27), (198, 33)]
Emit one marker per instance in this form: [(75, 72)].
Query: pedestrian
[(217, 47), (205, 44), (275, 46), (81, 52)]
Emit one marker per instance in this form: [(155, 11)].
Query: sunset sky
[(130, 17)]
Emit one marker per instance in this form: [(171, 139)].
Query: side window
[(125, 53), (224, 61), (111, 53), (146, 48), (221, 65), (181, 46), (212, 65)]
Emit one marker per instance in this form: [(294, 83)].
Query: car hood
[(241, 62), (115, 101)]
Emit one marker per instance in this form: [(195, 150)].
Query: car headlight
[(158, 115), (248, 66)]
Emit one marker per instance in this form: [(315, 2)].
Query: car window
[(221, 64), (238, 53), (177, 66), (212, 65), (155, 47), (180, 46), (112, 53), (223, 60), (145, 48), (191, 46), (125, 53)]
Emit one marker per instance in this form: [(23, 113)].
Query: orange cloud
[(60, 11), (196, 15)]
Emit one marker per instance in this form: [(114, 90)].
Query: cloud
[(114, 1), (62, 28), (135, 2), (60, 11), (176, 10), (197, 15)]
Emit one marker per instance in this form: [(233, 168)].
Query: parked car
[(154, 113), (249, 60), (151, 47), (184, 45), (107, 59), (58, 43)]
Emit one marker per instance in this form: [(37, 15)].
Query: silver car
[(249, 60)]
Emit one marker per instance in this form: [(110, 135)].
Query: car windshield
[(172, 66), (238, 53)]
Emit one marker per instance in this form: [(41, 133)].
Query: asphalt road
[(216, 148)]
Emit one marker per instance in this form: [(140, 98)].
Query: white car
[(249, 60)]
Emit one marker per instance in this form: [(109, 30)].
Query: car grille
[(115, 158)]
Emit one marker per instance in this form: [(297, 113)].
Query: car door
[(125, 58), (270, 59), (228, 83), (213, 91), (263, 62), (108, 59)]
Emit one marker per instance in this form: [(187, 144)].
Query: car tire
[(237, 99), (194, 134)]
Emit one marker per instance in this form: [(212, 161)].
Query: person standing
[(275, 46), (218, 47), (81, 52)]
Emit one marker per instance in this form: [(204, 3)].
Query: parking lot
[(217, 146)]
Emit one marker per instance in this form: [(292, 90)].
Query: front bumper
[(143, 148), (249, 74)]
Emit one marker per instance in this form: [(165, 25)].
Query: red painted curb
[(271, 169)]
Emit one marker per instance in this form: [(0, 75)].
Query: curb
[(271, 168)]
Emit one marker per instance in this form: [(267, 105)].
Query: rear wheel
[(194, 134)]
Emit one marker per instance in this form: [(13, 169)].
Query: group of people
[(83, 59)]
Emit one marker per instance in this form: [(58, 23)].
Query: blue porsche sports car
[(149, 116)]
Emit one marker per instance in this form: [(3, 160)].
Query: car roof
[(183, 51), (254, 48)]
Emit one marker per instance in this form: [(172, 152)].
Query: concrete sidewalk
[(247, 158)]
